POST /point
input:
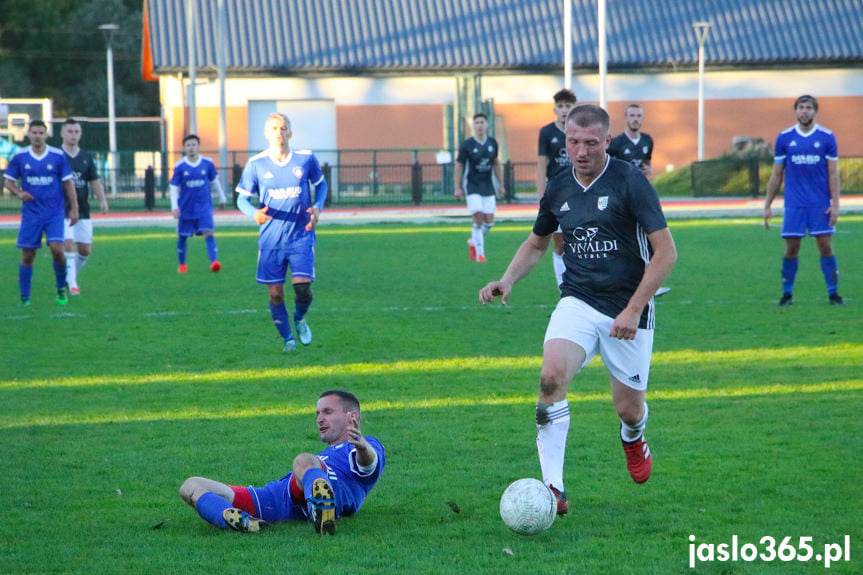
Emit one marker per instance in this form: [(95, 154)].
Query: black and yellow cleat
[(323, 507), (239, 520)]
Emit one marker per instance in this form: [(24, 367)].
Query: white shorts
[(627, 360), (82, 232), (477, 203)]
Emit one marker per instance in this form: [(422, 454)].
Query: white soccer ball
[(528, 507)]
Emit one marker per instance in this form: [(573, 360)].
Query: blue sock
[(181, 249), (300, 308), (25, 277), (210, 507), (789, 271), (831, 274), (279, 314), (212, 249), (60, 275)]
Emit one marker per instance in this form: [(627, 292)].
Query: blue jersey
[(347, 479), (805, 157), (284, 187), (194, 179), (41, 176)]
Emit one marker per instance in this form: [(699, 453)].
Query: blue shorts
[(192, 227), (273, 264), (30, 233), (273, 502), (796, 222)]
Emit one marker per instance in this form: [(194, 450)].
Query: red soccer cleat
[(75, 290), (638, 460), (215, 266), (471, 250), (562, 503), (181, 269), (480, 259)]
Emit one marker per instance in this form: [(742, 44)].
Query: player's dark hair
[(588, 115), (480, 115), (38, 124), (349, 401), (71, 122), (633, 106), (191, 137), (565, 95), (806, 98)]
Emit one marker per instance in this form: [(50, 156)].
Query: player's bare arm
[(314, 216), (773, 185), (625, 325), (498, 173), (459, 175), (72, 199), (99, 192), (541, 167), (833, 185), (365, 453), (22, 195), (524, 260)]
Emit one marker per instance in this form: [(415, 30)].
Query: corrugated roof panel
[(310, 36)]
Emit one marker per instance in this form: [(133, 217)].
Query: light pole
[(108, 30), (701, 30)]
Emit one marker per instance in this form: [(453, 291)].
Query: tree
[(54, 49)]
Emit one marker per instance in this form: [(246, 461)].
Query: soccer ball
[(528, 507)]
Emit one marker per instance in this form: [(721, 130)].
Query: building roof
[(304, 37)]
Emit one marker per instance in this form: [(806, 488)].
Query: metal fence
[(356, 178), (741, 176)]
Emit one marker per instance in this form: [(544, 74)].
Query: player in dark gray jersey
[(632, 145), (86, 176), (618, 250), (477, 166), (553, 160)]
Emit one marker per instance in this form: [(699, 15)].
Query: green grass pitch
[(148, 377)]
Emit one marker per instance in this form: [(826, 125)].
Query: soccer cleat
[(239, 520), (75, 291), (836, 299), (181, 269), (638, 459), (25, 302), (471, 250), (303, 332), (323, 507), (290, 345), (785, 300), (662, 291), (215, 266), (62, 298), (480, 259), (562, 503)]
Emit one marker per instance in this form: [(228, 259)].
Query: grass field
[(148, 377)]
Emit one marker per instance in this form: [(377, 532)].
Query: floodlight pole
[(223, 120), (567, 44), (701, 31), (108, 31), (602, 54), (190, 47)]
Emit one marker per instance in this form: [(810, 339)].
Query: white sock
[(80, 261), (485, 228), (71, 270), (477, 237), (551, 442), (559, 267), (630, 433)]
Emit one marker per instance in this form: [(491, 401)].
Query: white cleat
[(304, 333)]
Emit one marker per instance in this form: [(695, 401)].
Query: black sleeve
[(546, 222)]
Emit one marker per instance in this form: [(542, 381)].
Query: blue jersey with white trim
[(805, 158), (194, 179), (41, 176), (284, 187), (342, 469)]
